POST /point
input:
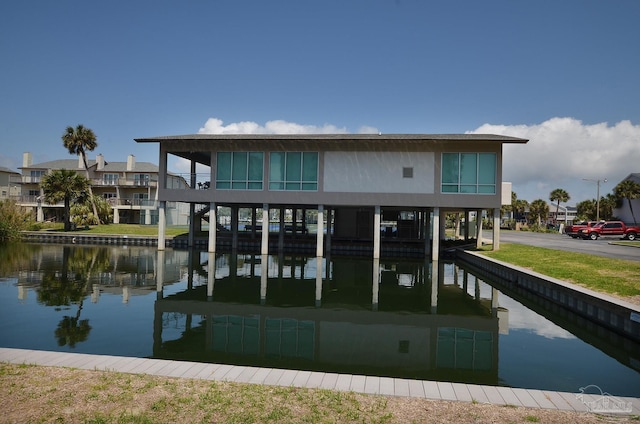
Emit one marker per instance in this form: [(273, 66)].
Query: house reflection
[(359, 316)]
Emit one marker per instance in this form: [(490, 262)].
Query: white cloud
[(562, 152), (216, 126)]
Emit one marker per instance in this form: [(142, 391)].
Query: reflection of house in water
[(273, 311), (120, 270)]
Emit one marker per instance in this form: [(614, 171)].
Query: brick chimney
[(131, 163), (27, 159)]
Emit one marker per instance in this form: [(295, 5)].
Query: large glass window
[(141, 180), (239, 170), (110, 179), (293, 171), (469, 173)]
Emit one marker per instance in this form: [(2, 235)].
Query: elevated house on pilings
[(375, 194)]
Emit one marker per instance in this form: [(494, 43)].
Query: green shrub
[(13, 219)]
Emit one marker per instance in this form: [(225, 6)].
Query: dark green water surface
[(394, 317)]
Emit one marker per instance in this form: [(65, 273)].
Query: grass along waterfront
[(54, 394), (616, 277), (118, 229)]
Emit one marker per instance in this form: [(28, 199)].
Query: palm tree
[(520, 207), (63, 184), (78, 140), (539, 210), (629, 190), (586, 210), (559, 195)]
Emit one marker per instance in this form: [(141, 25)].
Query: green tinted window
[(239, 170), (469, 173), (293, 171)]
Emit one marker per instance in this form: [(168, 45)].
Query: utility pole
[(597, 196)]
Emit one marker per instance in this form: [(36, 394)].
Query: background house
[(624, 212), (129, 187), (9, 183)]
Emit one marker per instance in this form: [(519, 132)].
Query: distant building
[(129, 187), (566, 214), (9, 183), (623, 212)]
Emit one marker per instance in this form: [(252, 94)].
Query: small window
[(407, 172)]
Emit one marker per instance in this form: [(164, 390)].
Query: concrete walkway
[(434, 390)]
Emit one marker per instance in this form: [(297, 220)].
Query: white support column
[(320, 232), (40, 212), (264, 275), (211, 275), (435, 281), (478, 229), (318, 281), (376, 233), (375, 288), (162, 223), (435, 245), (264, 248), (213, 227), (160, 272), (496, 229), (147, 216)]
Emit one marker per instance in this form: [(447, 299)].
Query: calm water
[(333, 314)]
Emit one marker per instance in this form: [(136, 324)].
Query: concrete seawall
[(606, 311), (101, 239)]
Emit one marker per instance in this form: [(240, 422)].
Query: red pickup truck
[(574, 230), (611, 228)]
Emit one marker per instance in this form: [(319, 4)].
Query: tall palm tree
[(539, 210), (559, 195), (520, 207), (629, 190), (63, 184), (78, 140)]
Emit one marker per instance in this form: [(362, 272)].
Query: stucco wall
[(378, 172)]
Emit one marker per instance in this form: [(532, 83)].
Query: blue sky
[(563, 73)]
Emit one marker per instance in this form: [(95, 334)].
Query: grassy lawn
[(124, 229), (635, 243), (614, 276), (64, 395)]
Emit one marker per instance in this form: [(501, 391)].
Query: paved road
[(600, 247)]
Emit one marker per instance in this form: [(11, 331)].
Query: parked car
[(574, 229), (611, 228)]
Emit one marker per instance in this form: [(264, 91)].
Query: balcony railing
[(126, 182), (25, 199), (28, 179)]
